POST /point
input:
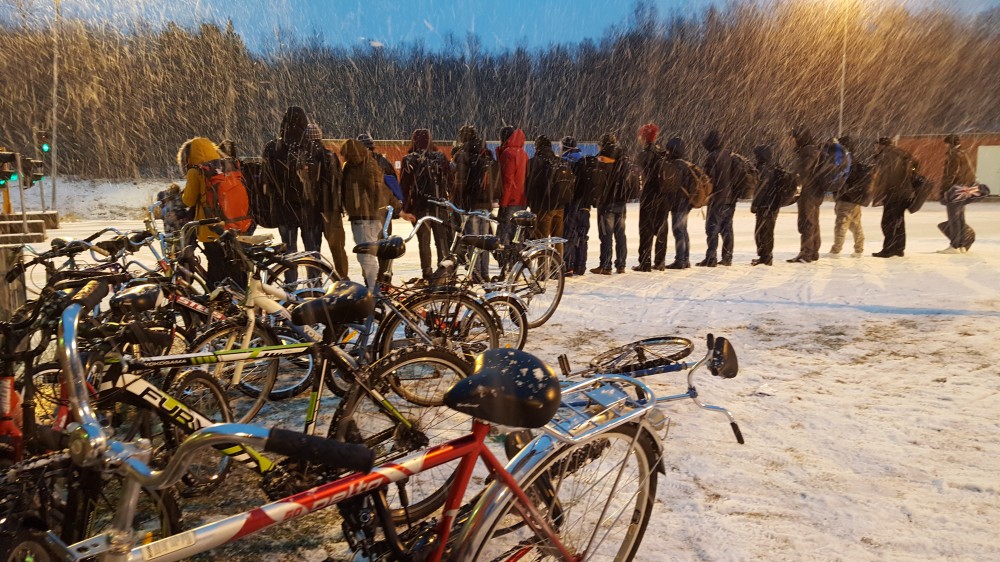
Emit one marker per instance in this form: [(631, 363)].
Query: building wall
[(930, 151)]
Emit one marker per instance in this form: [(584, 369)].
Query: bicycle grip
[(333, 454), (15, 272)]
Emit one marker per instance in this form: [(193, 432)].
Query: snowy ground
[(868, 392)]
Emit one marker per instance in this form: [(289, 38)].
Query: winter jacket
[(513, 170), (892, 180), (957, 169), (296, 204), (805, 166), (622, 184), (718, 166), (648, 163), (767, 197), (857, 188), (473, 189), (538, 184), (364, 188), (675, 182), (421, 147), (198, 151)]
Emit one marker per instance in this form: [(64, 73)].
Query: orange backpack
[(226, 195)]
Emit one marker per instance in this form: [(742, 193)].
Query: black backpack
[(786, 186), (477, 188), (595, 179), (428, 174), (261, 199), (563, 182), (744, 176)]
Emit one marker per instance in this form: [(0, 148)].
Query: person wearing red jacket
[(513, 168)]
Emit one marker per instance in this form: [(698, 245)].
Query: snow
[(868, 390)]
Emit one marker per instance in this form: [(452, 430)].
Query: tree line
[(752, 70)]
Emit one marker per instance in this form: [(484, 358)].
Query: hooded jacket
[(768, 196), (648, 161), (473, 189), (364, 188), (957, 169), (294, 206), (513, 169), (805, 165), (622, 184), (718, 165), (538, 185), (197, 151), (421, 146), (892, 179)]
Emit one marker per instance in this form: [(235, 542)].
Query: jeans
[(679, 225), (848, 218), (720, 223), (808, 223), (478, 225), (577, 228), (611, 225), (763, 233), (367, 231), (894, 227), (956, 224), (442, 243), (312, 240)]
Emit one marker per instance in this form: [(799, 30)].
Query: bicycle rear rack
[(597, 404)]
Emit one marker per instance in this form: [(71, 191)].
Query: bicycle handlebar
[(449, 205)]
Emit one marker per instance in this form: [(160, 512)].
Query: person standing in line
[(892, 186), (849, 199), (392, 182), (513, 171), (539, 185), (322, 166), (958, 170), (620, 186), (676, 187), (652, 207), (426, 175), (292, 174), (767, 202), (722, 205), (473, 188), (365, 194), (576, 217), (805, 165)]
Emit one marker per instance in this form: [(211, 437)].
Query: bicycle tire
[(538, 281), (578, 490), (346, 337), (257, 379), (202, 393), (451, 320), (360, 419), (649, 353), (28, 544), (295, 374), (313, 276), (513, 320)]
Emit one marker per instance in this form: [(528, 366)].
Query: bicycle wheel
[(295, 374), (359, 418), (257, 379), (310, 277), (643, 354), (349, 338), (598, 496), (513, 320), (539, 282), (455, 321), (209, 467)]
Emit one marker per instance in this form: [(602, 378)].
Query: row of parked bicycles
[(128, 386)]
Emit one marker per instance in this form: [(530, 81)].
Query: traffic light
[(43, 141), (33, 170), (7, 172)]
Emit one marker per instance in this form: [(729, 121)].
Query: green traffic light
[(13, 177), (46, 147)]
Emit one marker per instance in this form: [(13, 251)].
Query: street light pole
[(55, 101), (843, 77)]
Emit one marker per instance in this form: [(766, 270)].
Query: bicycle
[(609, 408)]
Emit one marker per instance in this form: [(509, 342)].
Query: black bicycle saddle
[(343, 303), (387, 248)]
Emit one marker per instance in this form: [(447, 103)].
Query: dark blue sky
[(500, 24)]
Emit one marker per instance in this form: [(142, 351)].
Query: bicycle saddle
[(509, 387), (343, 303), (523, 218), (387, 248), (486, 242), (139, 298)]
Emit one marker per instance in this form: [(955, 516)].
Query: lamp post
[(843, 76), (55, 101)]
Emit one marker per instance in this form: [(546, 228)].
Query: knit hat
[(543, 140), (505, 133), (467, 133), (568, 142), (366, 140), (887, 141), (421, 139), (607, 139), (952, 139), (847, 142), (648, 133), (313, 132)]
